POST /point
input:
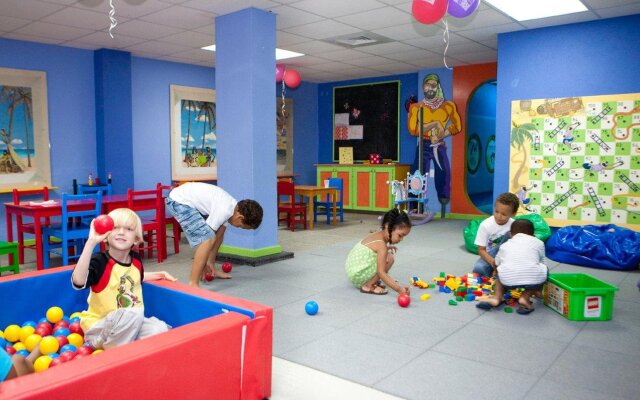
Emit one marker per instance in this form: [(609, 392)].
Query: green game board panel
[(623, 148)]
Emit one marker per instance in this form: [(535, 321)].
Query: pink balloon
[(429, 11), (280, 68), (292, 78)]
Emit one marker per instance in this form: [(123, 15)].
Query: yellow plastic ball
[(75, 314), (41, 363), (54, 314), (25, 332), (12, 333), (19, 346), (75, 339), (98, 351), (32, 341), (1, 334), (49, 345)]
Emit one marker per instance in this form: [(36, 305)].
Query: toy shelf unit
[(579, 297), (365, 185)]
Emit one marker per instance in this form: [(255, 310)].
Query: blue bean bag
[(596, 246)]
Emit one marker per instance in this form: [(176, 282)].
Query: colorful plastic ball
[(76, 314), (74, 319), (98, 351), (208, 277), (23, 352), (404, 300), (292, 78), (68, 347), (61, 332), (60, 324), (26, 331), (41, 363), (55, 361), (103, 224), (32, 341), (3, 343), (49, 344), (227, 267), (75, 327), (53, 355), (85, 350), (29, 323), (12, 333), (54, 314), (43, 319), (67, 356), (10, 350), (43, 330), (311, 307), (66, 318), (75, 339), (19, 346), (62, 340)]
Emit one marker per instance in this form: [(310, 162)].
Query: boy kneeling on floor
[(520, 264)]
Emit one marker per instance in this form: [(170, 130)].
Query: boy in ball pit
[(13, 366), (116, 309)]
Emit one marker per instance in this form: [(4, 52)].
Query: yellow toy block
[(425, 296)]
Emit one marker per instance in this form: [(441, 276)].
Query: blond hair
[(127, 218)]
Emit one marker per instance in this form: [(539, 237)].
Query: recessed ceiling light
[(280, 53), (523, 10)]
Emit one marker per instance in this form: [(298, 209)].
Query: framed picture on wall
[(24, 130), (193, 133), (284, 135)]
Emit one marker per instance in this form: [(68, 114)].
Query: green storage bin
[(579, 297)]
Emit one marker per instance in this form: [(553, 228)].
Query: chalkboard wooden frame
[(375, 107)]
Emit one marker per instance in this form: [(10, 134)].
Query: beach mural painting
[(193, 133), (24, 130)]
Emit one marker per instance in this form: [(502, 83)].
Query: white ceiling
[(175, 30)]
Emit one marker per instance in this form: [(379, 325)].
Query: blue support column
[(246, 123), (114, 130)]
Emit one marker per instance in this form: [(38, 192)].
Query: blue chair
[(326, 207), (412, 190), (73, 229), (105, 189)]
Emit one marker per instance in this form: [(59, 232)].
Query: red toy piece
[(103, 224), (404, 300), (227, 267), (208, 277)]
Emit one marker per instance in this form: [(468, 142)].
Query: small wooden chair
[(149, 206), (11, 250), (325, 207), (28, 227), (170, 219), (296, 213)]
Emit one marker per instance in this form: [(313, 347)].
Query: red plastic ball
[(55, 361), (208, 277), (60, 324), (10, 349), (76, 328), (62, 340), (103, 224), (227, 267), (84, 350), (67, 356), (404, 300)]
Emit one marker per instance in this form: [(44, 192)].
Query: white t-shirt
[(490, 233), (208, 200), (520, 261)]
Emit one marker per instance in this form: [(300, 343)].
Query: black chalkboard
[(372, 109)]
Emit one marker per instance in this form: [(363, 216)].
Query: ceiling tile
[(223, 7), (479, 19), (126, 8), (8, 24), (489, 32), (145, 30), (154, 47), (284, 39), (197, 55), (322, 29), (387, 48), (32, 38), (287, 17), (80, 18), (377, 19), (619, 11), (31, 10), (180, 17), (103, 40), (315, 48), (189, 39), (559, 20), (53, 31), (345, 55), (336, 8)]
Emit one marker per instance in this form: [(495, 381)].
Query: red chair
[(23, 227), (170, 219), (149, 206), (296, 213)]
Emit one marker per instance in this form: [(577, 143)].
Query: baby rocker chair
[(412, 190)]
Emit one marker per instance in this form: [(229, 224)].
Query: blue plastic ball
[(74, 319), (3, 343), (311, 308), (23, 352), (61, 332), (29, 323), (53, 355), (43, 319), (67, 347)]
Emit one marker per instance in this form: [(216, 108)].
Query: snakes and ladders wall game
[(576, 161)]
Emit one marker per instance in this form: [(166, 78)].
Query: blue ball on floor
[(311, 308)]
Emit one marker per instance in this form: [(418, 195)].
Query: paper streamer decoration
[(462, 8), (429, 11), (112, 17)]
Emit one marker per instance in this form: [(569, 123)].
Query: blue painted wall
[(481, 120), (585, 59), (151, 117)]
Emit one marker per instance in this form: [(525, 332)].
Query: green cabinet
[(366, 186)]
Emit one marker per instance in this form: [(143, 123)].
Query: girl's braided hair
[(394, 218)]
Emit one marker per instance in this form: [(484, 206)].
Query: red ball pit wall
[(220, 346)]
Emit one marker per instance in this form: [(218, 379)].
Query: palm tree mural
[(519, 135), (189, 105), (15, 96), (208, 113)]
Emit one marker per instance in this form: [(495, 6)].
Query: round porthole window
[(474, 153)]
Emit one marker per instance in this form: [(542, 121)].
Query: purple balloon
[(462, 8), (279, 72)]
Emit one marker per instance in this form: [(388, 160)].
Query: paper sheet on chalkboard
[(355, 132)]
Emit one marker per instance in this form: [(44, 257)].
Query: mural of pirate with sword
[(440, 119)]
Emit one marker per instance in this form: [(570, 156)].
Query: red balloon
[(279, 72), (292, 78), (404, 300), (103, 224), (429, 11)]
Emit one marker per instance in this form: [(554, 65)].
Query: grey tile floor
[(431, 349)]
